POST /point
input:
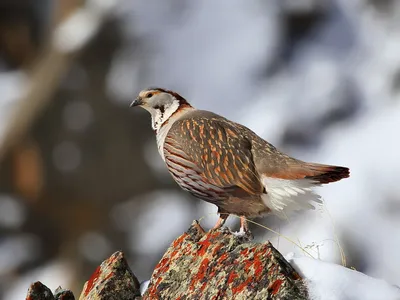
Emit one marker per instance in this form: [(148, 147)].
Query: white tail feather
[(284, 195)]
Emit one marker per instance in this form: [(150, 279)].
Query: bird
[(227, 164)]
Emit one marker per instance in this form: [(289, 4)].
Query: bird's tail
[(326, 173)]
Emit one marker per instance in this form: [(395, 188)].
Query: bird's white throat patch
[(160, 115), (173, 113)]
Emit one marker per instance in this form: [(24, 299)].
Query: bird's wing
[(288, 181), (217, 150), (272, 163)]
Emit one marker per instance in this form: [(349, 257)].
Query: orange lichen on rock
[(220, 265), (113, 279), (197, 265)]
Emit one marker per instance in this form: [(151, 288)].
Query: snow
[(143, 286), (327, 281)]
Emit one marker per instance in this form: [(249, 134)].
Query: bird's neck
[(168, 115), (163, 127)]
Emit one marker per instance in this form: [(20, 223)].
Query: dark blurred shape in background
[(80, 176)]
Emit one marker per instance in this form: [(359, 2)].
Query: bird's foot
[(221, 221), (240, 233), (243, 234), (199, 228), (244, 229)]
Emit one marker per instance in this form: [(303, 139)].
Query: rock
[(38, 291), (197, 265), (220, 265), (61, 294), (112, 280)]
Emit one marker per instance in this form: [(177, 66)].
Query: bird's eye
[(149, 95)]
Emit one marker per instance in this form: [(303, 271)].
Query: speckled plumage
[(227, 164), (218, 162), (223, 162)]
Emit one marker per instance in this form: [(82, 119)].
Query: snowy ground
[(326, 281)]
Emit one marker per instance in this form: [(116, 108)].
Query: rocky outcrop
[(198, 265)]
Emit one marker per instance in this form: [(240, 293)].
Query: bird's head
[(161, 104)]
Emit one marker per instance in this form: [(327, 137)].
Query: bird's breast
[(164, 129), (161, 135)]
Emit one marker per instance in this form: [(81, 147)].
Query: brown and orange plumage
[(227, 164)]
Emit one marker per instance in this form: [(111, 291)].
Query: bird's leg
[(221, 220), (244, 225), (244, 229)]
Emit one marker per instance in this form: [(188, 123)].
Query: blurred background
[(80, 176)]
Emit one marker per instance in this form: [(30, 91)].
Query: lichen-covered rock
[(38, 291), (197, 265), (62, 294), (112, 280), (219, 265)]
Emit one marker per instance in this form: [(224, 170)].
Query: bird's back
[(209, 128)]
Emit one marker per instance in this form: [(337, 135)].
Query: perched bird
[(227, 164)]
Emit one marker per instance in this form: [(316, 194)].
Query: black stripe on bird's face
[(161, 108)]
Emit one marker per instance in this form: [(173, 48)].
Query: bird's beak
[(138, 101)]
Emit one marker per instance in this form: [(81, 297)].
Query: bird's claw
[(242, 233)]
